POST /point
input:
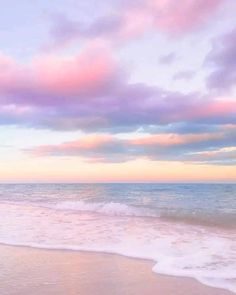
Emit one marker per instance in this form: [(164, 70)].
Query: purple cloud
[(168, 58), (184, 75), (91, 92), (222, 58), (64, 30), (134, 18)]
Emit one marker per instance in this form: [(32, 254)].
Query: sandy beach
[(34, 271)]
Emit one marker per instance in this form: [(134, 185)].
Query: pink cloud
[(9, 71), (182, 16), (175, 139), (94, 142), (215, 108), (87, 72), (134, 18), (201, 148), (5, 62), (226, 155), (90, 91), (108, 148), (12, 109), (52, 79), (90, 142)]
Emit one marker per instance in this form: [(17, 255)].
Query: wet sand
[(28, 271)]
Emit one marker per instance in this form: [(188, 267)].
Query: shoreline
[(28, 270)]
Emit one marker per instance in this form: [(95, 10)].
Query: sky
[(118, 91)]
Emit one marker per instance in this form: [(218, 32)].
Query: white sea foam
[(209, 255), (111, 208)]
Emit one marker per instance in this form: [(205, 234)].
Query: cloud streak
[(199, 148), (134, 18)]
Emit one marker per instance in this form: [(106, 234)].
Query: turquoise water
[(187, 229)]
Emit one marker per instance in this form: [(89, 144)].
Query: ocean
[(188, 230)]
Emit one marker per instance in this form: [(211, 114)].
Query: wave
[(177, 249), (164, 266), (111, 208), (206, 220), (120, 209), (202, 219)]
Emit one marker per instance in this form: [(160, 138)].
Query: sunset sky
[(114, 90)]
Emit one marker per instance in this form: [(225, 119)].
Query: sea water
[(186, 229)]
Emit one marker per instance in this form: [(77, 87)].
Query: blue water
[(212, 204), (186, 229)]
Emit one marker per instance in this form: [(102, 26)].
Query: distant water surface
[(187, 229)]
